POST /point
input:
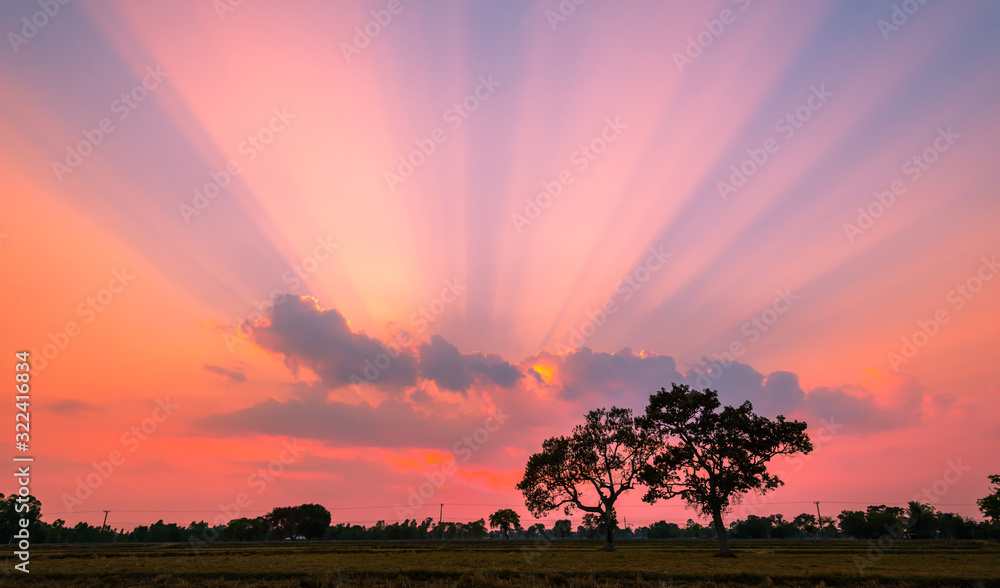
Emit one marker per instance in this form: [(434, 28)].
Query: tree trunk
[(720, 530), (609, 530)]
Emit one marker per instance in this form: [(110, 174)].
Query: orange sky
[(565, 232)]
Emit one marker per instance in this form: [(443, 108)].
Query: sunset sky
[(481, 221)]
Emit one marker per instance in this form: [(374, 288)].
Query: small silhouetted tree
[(590, 469), (243, 529), (314, 520), (505, 520), (562, 529), (806, 523), (922, 520), (711, 457), (283, 521)]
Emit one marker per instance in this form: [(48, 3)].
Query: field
[(512, 563)]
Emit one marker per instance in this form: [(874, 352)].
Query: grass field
[(512, 563)]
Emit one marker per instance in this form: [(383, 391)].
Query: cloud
[(450, 369), (71, 406), (321, 340), (234, 376), (393, 423), (624, 378), (563, 387), (859, 409)]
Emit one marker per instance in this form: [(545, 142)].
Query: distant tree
[(922, 520), (805, 522), (536, 530), (873, 523), (477, 529), (590, 469), (243, 529), (695, 530), (990, 505), (10, 516), (562, 529), (662, 530), (505, 520), (314, 520), (827, 527), (782, 529), (282, 521), (852, 523), (711, 457), (754, 527), (594, 526)]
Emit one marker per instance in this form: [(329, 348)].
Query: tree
[(922, 520), (477, 529), (716, 456), (662, 530), (10, 516), (243, 529), (589, 470), (283, 520), (852, 523), (806, 523), (562, 529), (314, 521), (990, 505), (506, 520), (782, 529)]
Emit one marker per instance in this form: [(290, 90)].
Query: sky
[(372, 254)]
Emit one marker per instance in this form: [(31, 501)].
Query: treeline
[(313, 522)]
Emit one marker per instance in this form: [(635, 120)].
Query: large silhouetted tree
[(590, 469), (711, 457)]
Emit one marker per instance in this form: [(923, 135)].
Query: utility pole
[(104, 525), (819, 520), (441, 513)]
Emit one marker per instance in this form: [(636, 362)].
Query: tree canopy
[(712, 457), (590, 469)]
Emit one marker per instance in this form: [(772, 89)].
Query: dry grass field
[(513, 563)]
